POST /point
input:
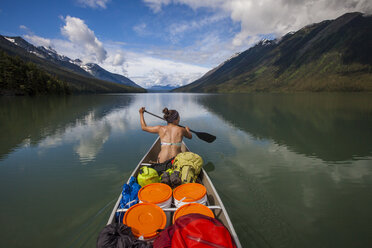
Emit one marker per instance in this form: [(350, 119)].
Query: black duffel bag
[(118, 235)]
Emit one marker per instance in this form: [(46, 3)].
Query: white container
[(189, 193)]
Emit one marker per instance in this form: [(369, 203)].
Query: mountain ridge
[(88, 69), (98, 72), (333, 55), (62, 67)]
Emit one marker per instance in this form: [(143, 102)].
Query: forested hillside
[(78, 80), (333, 55), (20, 78)]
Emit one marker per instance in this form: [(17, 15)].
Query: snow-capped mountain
[(90, 69), (316, 58), (98, 72), (266, 42), (220, 65), (53, 53)]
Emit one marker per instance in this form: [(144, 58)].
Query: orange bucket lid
[(155, 193), (192, 208), (145, 219), (192, 192)]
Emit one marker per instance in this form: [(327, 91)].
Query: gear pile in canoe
[(157, 210)]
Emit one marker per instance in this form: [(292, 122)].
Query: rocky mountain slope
[(98, 72), (333, 55), (81, 77)]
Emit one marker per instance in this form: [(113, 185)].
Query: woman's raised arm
[(187, 133), (150, 129)]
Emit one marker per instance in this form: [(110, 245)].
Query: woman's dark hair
[(170, 115)]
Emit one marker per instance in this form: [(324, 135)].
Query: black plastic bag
[(161, 167), (118, 235)]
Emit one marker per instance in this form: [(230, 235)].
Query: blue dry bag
[(129, 196)]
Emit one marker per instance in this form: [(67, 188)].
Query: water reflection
[(281, 198), (28, 121), (87, 136), (332, 127), (292, 170), (209, 167), (288, 177), (86, 122)]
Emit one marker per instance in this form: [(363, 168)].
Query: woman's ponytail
[(166, 113)]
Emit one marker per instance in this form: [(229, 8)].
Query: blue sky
[(162, 41)]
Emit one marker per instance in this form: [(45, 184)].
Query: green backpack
[(147, 175), (189, 166)]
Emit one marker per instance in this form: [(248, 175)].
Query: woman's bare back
[(171, 136)]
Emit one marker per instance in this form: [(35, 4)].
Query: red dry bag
[(195, 230)]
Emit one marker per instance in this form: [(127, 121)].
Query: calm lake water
[(293, 170)]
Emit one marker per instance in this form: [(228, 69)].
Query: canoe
[(214, 201)]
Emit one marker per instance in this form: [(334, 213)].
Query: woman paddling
[(170, 135)]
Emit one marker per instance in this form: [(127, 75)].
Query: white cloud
[(147, 71), (69, 49), (117, 59), (94, 3), (209, 51), (156, 5), (178, 30), (141, 29), (37, 40), (272, 16), (115, 62), (80, 35), (156, 77), (23, 27)]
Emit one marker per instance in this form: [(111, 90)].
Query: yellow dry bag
[(147, 175)]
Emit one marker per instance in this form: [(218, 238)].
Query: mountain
[(76, 65), (161, 88), (46, 53), (20, 78), (333, 55), (74, 72), (98, 72)]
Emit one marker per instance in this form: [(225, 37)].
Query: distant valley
[(161, 88)]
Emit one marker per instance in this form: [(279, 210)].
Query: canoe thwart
[(168, 209), (146, 164)]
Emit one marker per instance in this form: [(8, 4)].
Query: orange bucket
[(192, 208), (189, 192), (156, 193), (145, 219)]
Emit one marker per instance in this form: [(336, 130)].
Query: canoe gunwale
[(211, 192), (112, 216), (229, 223)]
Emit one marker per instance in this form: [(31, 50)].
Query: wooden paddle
[(201, 135)]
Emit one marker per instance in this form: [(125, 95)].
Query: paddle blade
[(206, 137)]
